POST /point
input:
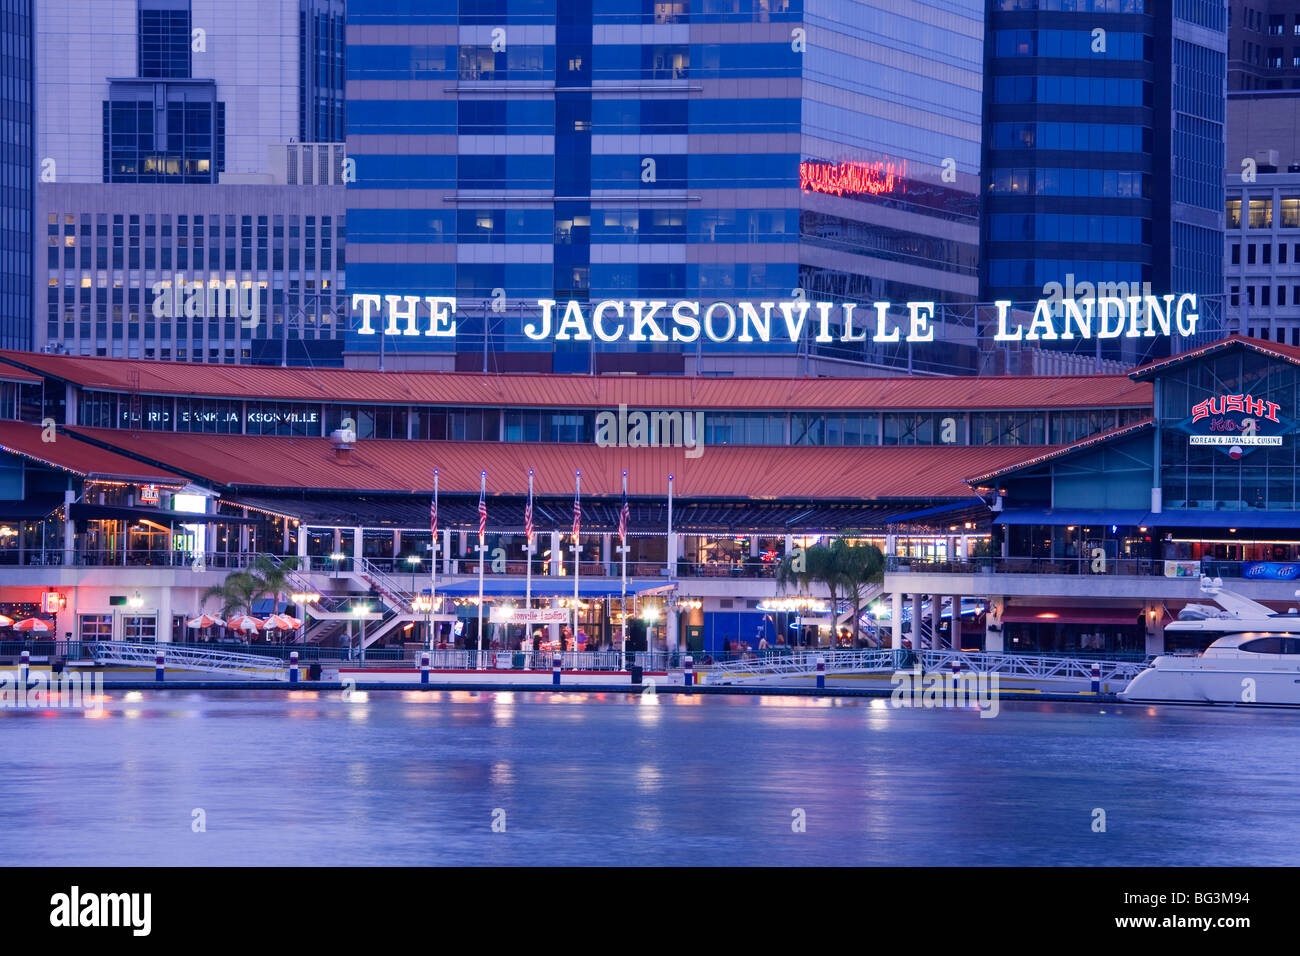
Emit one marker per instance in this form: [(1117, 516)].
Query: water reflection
[(410, 777)]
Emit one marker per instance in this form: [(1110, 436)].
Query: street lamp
[(337, 557), (414, 561), (424, 605), (361, 610)]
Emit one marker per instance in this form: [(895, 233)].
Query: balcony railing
[(115, 557), (1150, 567)]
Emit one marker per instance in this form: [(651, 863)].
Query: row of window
[(1084, 90), (1068, 181), (1262, 253), (232, 416), (1050, 227), (1071, 44), (1087, 137), (1263, 295), (1259, 213)]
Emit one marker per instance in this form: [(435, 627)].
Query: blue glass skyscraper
[(17, 172), (514, 150), (1104, 142)]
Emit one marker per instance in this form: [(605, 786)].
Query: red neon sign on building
[(1247, 404), (853, 179)]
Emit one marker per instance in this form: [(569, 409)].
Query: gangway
[(804, 664), (188, 657)]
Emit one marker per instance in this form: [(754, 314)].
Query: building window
[(1234, 213), (95, 627), (1261, 214), (1291, 212), (141, 627)]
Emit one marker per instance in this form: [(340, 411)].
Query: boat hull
[(1192, 684)]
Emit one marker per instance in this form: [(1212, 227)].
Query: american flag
[(482, 514), (622, 519), (528, 518), (433, 515), (577, 509)]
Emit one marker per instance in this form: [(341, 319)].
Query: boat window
[(1267, 645)]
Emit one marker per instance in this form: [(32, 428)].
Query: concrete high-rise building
[(1262, 249), (1264, 45), (17, 171), (171, 132), (1104, 139), (710, 150)]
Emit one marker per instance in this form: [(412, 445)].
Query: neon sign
[(690, 320), (853, 179), (1234, 403)]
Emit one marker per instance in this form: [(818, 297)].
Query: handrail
[(125, 652)]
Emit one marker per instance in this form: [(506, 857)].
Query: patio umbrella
[(34, 624), (204, 620), (242, 622), (6, 621), (281, 622)]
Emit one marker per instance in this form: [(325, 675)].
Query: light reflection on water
[(405, 777)]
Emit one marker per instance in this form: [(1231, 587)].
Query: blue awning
[(1130, 517), (960, 505), (1225, 519)]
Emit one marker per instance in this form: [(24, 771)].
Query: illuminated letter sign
[(1236, 423), (853, 179), (745, 322)]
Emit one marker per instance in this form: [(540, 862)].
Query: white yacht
[(1253, 660)]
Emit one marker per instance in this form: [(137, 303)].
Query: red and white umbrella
[(281, 622), (242, 622), (34, 624), (6, 621), (204, 620)]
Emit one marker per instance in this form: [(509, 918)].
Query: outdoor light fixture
[(337, 556), (650, 613), (413, 559), (136, 600), (304, 597), (360, 609)]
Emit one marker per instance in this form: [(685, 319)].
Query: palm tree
[(236, 593), (809, 566), (273, 579), (859, 566)]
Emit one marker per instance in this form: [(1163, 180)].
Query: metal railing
[(1149, 567), (186, 656)]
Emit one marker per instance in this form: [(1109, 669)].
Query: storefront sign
[(1270, 571), (1236, 424), (746, 322), (149, 494), (1182, 569), (528, 615)]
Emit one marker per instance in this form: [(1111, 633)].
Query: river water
[(402, 777)]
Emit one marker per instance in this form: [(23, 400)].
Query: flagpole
[(433, 559), (577, 553), (528, 559), (623, 548), (672, 566), (482, 551)]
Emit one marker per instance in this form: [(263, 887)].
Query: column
[(672, 556), (556, 556), (896, 619), (993, 643), (69, 527), (936, 615), (604, 553), (956, 621), (356, 550), (670, 630), (165, 613), (1154, 619), (302, 547), (446, 551), (553, 630), (917, 642)]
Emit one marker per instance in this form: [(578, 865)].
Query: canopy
[(204, 620), (34, 624), (1089, 517), (242, 622)]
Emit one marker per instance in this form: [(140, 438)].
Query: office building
[(1104, 138), (1263, 45), (711, 150), (17, 171)]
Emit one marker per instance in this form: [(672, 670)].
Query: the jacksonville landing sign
[(686, 320)]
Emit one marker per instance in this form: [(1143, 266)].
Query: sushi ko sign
[(1236, 423), (746, 322)]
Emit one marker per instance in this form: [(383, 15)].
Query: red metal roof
[(583, 391), (1288, 353), (10, 373), (69, 454), (734, 472)]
